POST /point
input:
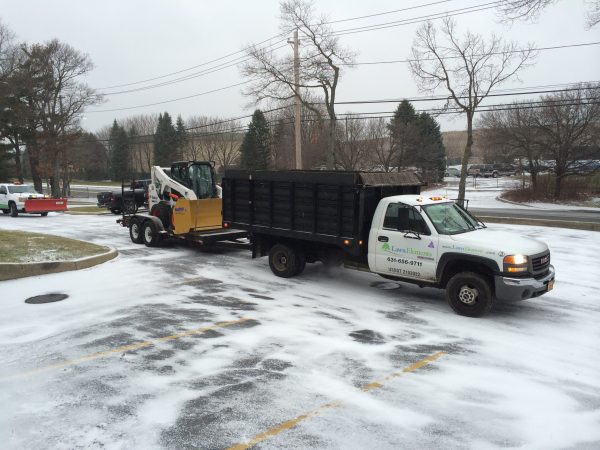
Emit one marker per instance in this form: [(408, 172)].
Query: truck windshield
[(449, 218), (25, 188)]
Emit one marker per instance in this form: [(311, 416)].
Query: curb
[(500, 199), (11, 271), (588, 226)]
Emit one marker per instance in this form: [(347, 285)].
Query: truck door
[(405, 245)]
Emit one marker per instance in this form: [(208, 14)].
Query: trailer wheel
[(283, 261), (135, 232), (14, 212), (44, 214), (470, 294), (150, 234)]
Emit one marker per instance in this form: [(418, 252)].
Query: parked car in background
[(452, 172), (475, 170), (506, 170)]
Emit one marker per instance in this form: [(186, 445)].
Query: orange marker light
[(346, 242)]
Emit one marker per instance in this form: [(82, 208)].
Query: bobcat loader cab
[(186, 199), (184, 202)]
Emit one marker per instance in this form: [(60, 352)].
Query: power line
[(243, 59), (428, 99), (196, 66), (191, 76), (387, 12), (556, 47), (424, 18), (280, 35), (169, 101)]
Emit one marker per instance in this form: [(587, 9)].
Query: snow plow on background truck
[(23, 198)]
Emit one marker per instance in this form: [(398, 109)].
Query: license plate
[(550, 285)]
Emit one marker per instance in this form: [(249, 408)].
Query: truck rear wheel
[(283, 261), (129, 206), (14, 212), (135, 232), (150, 234), (5, 211), (470, 294)]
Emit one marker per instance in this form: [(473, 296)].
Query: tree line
[(42, 99)]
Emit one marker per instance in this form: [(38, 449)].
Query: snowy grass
[(23, 247)]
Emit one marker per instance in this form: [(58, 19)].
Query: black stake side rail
[(333, 208)]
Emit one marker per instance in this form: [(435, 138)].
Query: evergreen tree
[(403, 134), (430, 157), (255, 151), (165, 141), (181, 138), (119, 148)]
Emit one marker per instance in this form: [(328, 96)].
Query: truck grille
[(540, 263)]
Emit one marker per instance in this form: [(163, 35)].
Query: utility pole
[(297, 104)]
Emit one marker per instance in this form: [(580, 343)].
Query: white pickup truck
[(299, 217), (16, 198), (432, 241)]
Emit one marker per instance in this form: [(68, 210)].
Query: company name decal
[(420, 254), (467, 249), (180, 209)]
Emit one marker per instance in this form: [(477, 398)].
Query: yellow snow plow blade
[(196, 215)]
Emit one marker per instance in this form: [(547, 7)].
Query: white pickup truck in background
[(23, 198)]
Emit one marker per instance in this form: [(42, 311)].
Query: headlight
[(515, 263)]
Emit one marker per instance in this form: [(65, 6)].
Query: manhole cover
[(46, 298)]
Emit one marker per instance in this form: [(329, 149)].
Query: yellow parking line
[(288, 424), (126, 348)]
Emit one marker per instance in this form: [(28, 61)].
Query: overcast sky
[(133, 40)]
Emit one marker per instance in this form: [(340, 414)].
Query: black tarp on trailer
[(317, 206)]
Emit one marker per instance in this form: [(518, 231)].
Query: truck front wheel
[(150, 234), (470, 294), (283, 261)]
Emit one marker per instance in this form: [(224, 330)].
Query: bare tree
[(569, 126), (468, 68), (515, 129), (321, 56), (353, 143), (380, 155), (512, 10), (214, 139), (48, 83), (142, 146)]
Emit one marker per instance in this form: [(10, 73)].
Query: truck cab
[(432, 241)]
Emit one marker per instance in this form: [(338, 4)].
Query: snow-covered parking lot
[(179, 349)]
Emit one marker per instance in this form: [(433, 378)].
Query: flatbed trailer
[(141, 224)]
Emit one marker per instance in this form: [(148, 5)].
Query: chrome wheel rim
[(468, 295)]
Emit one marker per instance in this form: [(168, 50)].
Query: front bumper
[(515, 289)]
